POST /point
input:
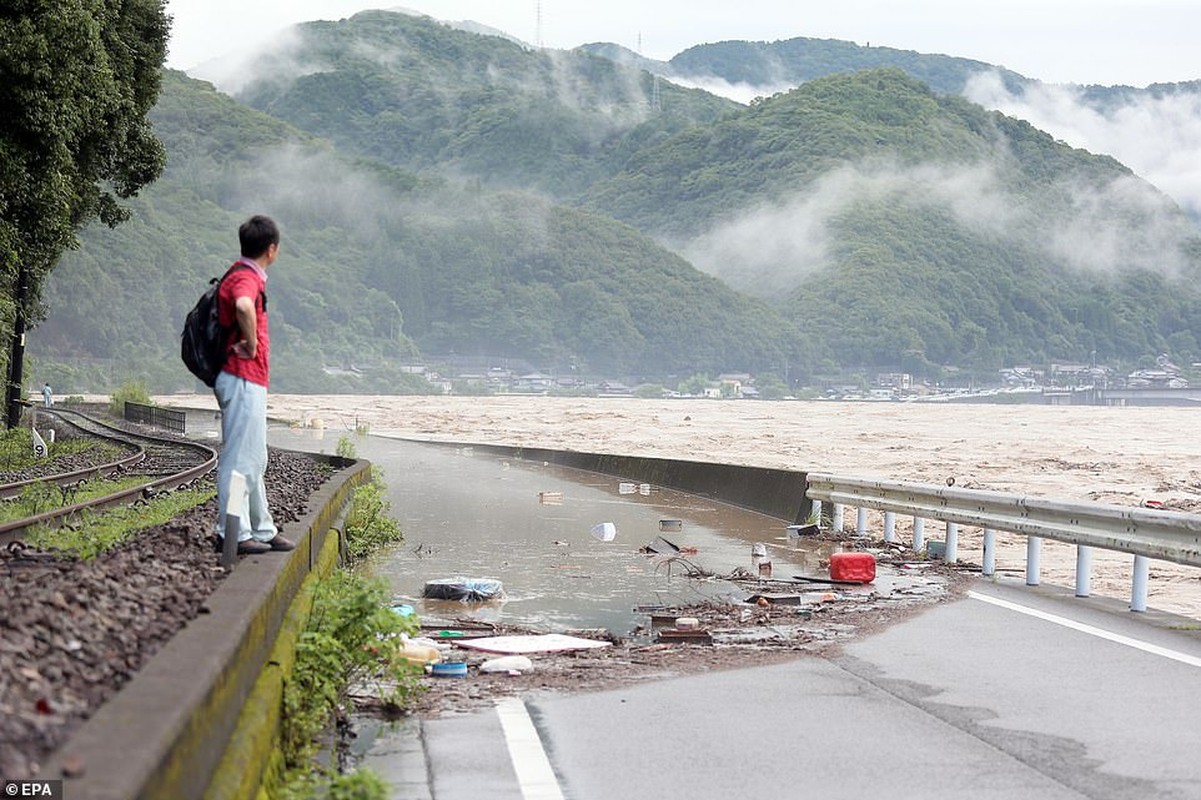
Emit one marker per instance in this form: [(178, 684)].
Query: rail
[(204, 459), (1142, 532)]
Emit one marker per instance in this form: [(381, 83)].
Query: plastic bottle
[(417, 653)]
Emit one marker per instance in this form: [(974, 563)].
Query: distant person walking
[(241, 388), (47, 396)]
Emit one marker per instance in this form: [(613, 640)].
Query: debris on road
[(531, 643)]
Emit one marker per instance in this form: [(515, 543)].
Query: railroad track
[(165, 463)]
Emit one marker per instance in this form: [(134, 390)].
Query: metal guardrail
[(166, 418), (1141, 532)]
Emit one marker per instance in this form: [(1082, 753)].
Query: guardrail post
[(919, 534), (836, 518), (890, 526), (1034, 545), (952, 552), (1138, 594), (989, 561), (1084, 564), (861, 521)]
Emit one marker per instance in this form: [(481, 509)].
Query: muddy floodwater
[(470, 513)]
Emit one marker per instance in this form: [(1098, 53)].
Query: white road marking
[(1137, 644), (534, 773)]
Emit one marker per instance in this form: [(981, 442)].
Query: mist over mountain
[(1155, 130), (417, 93), (443, 191)]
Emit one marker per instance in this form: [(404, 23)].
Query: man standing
[(47, 396), (241, 388)]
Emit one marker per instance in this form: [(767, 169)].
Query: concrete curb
[(166, 732)]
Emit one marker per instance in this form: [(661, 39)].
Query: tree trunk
[(16, 362)]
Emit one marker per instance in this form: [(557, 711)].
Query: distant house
[(902, 381), (733, 382), (500, 375), (533, 383), (613, 389)]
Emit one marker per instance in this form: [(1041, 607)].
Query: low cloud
[(1090, 237), (286, 60), (769, 250), (1157, 137), (738, 92)]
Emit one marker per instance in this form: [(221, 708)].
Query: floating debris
[(605, 531), (467, 590)]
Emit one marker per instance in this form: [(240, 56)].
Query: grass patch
[(38, 498), (352, 635), (16, 450), (369, 522), (96, 532)]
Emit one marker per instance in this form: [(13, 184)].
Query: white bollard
[(952, 553), (1034, 546), (1084, 566), (919, 534), (989, 561), (1142, 574), (890, 526), (39, 444), (861, 522)]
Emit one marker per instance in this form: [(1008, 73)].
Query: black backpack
[(204, 344)]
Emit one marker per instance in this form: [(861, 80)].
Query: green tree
[(77, 80)]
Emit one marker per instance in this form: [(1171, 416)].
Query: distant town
[(1057, 383)]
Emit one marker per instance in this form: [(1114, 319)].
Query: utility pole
[(17, 358)]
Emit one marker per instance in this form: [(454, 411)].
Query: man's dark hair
[(256, 235)]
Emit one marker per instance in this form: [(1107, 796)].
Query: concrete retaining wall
[(165, 734), (777, 493)]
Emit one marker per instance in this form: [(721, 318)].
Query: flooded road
[(469, 513)]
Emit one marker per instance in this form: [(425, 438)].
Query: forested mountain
[(376, 263), (928, 230), (414, 92), (788, 63), (880, 224)]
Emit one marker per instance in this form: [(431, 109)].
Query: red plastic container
[(853, 567)]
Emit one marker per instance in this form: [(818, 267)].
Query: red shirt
[(246, 283)]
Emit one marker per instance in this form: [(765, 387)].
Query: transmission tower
[(538, 25)]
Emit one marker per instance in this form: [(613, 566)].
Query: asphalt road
[(1008, 693)]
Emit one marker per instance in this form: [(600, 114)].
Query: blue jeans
[(243, 448)]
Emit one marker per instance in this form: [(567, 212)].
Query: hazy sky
[(1133, 42)]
